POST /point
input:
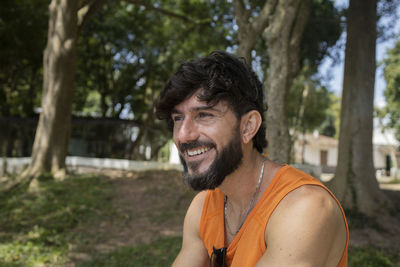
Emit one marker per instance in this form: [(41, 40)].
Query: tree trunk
[(354, 183), (283, 37), (50, 146), (52, 135)]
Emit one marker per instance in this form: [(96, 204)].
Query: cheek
[(225, 134)]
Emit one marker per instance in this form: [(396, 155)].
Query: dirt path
[(146, 206)]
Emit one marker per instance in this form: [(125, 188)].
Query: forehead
[(193, 103)]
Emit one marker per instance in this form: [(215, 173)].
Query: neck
[(241, 185)]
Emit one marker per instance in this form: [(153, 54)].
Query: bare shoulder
[(193, 252), (199, 199), (306, 227), (309, 204), (196, 208), (309, 197), (191, 225)]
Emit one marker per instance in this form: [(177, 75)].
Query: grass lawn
[(51, 227), (36, 229), (160, 252)]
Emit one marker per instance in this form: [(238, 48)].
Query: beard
[(225, 163)]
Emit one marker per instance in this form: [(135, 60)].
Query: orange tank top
[(249, 243)]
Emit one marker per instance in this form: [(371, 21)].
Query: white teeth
[(198, 151)]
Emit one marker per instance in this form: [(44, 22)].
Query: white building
[(318, 150), (322, 151), (385, 148)]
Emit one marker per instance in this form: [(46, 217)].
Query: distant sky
[(336, 72)]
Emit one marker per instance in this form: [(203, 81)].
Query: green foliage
[(308, 103), (127, 53), (36, 227), (330, 125), (371, 257), (322, 32), (23, 35), (392, 92), (160, 252), (387, 17)]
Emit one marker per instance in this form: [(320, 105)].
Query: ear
[(249, 125)]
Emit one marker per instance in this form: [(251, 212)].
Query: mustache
[(183, 147)]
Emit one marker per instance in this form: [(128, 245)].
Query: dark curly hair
[(222, 76)]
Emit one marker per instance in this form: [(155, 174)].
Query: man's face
[(208, 140)]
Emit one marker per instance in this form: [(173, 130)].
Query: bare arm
[(193, 253), (306, 229)]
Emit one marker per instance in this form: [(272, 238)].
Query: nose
[(187, 131)]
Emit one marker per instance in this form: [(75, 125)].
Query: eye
[(203, 115), (176, 118)]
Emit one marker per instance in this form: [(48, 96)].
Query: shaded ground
[(146, 206), (381, 231), (132, 219), (150, 205)]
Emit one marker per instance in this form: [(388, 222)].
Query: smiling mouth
[(197, 151)]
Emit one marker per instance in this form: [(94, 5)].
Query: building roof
[(318, 140)]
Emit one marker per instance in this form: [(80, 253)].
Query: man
[(250, 211)]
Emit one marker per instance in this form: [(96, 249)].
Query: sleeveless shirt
[(248, 246)]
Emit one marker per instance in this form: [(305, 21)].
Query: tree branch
[(83, 3), (299, 24), (167, 12), (261, 21), (239, 13), (88, 9)]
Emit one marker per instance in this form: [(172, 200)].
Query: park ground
[(117, 218)]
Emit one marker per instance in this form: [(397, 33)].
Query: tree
[(283, 37), (308, 105), (122, 68), (114, 50), (291, 41), (22, 31), (59, 61), (67, 19), (354, 183)]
